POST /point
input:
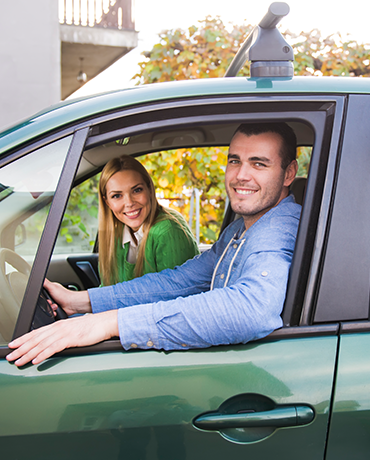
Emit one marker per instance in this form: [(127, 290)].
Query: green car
[(301, 393)]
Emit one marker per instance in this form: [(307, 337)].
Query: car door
[(145, 404), (265, 398), (344, 288)]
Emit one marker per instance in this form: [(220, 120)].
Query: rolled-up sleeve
[(247, 310)]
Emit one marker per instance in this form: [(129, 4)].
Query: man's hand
[(72, 302), (40, 344)]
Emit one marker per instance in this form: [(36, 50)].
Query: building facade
[(49, 48)]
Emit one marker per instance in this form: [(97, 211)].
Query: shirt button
[(184, 345), (222, 276), (149, 343), (235, 246), (264, 273), (133, 345)]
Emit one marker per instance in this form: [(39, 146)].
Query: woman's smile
[(128, 197)]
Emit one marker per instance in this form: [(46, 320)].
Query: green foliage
[(315, 55), (177, 173), (303, 158), (82, 207), (199, 52), (206, 51)]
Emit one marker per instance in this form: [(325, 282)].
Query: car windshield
[(27, 188)]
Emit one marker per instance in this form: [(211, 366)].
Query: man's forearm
[(81, 302), (191, 278)]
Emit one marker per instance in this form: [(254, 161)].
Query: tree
[(206, 51), (79, 223), (200, 52), (332, 55)]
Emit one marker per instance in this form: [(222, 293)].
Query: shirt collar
[(127, 237)]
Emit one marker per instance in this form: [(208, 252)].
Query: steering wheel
[(12, 287)]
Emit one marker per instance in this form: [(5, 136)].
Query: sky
[(153, 16)]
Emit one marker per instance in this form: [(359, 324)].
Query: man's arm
[(82, 331), (193, 277), (42, 343), (247, 310)]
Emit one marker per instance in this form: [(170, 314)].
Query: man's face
[(255, 181)]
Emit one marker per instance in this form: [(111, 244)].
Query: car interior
[(139, 146), (24, 210)]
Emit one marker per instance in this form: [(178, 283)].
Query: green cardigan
[(167, 246)]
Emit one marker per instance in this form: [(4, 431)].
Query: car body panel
[(77, 110), (350, 421), (129, 400)]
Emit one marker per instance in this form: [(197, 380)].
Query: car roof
[(77, 110)]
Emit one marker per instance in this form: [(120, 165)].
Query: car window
[(80, 222), (28, 185), (199, 195)]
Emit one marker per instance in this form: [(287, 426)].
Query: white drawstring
[(222, 256), (231, 263)]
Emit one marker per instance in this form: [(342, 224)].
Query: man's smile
[(241, 191)]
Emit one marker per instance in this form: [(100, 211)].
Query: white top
[(134, 248)]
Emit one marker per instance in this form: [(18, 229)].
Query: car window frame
[(316, 214), (88, 135), (325, 171)]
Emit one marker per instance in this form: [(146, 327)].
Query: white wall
[(29, 58)]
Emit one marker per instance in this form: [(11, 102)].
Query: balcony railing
[(109, 14)]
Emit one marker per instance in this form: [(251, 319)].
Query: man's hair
[(288, 151)]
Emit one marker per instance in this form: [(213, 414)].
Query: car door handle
[(283, 416)]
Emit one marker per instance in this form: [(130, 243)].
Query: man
[(231, 294)]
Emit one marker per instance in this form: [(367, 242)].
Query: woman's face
[(128, 197)]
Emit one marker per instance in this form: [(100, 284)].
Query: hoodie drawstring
[(232, 261)]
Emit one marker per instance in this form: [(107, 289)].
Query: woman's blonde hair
[(111, 229)]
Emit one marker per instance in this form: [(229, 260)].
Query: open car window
[(187, 180), (187, 166)]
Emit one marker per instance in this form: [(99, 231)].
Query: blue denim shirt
[(230, 294)]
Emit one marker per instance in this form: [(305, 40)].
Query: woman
[(136, 234)]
